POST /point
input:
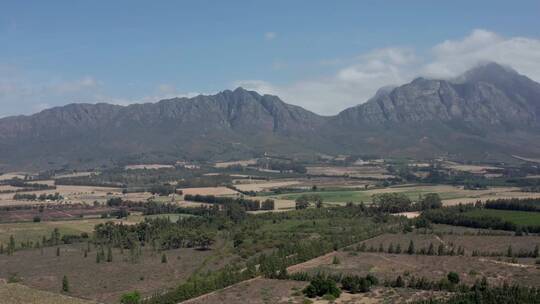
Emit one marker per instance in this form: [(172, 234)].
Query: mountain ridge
[(423, 118)]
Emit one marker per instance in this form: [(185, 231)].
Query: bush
[(321, 286), (133, 297), (453, 277)]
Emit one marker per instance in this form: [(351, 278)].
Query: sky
[(322, 55)]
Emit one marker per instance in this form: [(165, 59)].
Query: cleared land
[(72, 194), (147, 167), (388, 266), (19, 294), (262, 186), (243, 163), (30, 231), (209, 191), (377, 172), (106, 282)]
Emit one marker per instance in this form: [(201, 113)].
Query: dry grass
[(147, 167), (258, 186), (19, 294), (354, 171), (243, 163), (106, 282), (209, 191), (73, 194)]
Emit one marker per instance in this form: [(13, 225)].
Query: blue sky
[(323, 55)]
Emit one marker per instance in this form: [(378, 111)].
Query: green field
[(523, 218), (363, 195), (29, 231)]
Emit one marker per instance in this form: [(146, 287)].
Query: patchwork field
[(450, 195), (72, 194)]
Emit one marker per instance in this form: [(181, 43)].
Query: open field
[(12, 175), (486, 243), (475, 169), (76, 174), (105, 282), (243, 163), (522, 218), (258, 186), (29, 231), (263, 291), (353, 171), (73, 194), (450, 195), (387, 266), (209, 191), (147, 167), (14, 293), (257, 290)]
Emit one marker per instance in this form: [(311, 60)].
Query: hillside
[(490, 112)]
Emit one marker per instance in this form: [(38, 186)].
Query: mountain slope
[(487, 113)]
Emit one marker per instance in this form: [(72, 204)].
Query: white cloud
[(270, 36), (357, 81)]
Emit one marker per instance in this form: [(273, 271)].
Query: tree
[(431, 250), (164, 258), (65, 284), (133, 297), (509, 251), (399, 282), (411, 250), (109, 254), (453, 277), (11, 245), (321, 286), (431, 201), (440, 250), (398, 248)]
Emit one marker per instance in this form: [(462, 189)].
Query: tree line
[(247, 204)]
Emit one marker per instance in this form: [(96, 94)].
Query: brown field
[(50, 213), (475, 169), (387, 266), (71, 194), (253, 291), (12, 175), (498, 243), (147, 167), (209, 191), (106, 282), (263, 291), (14, 293)]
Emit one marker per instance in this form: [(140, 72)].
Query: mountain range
[(491, 112)]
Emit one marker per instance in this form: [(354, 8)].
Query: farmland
[(159, 242), (522, 218)]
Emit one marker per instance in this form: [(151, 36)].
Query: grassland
[(522, 218), (19, 294), (30, 231)]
